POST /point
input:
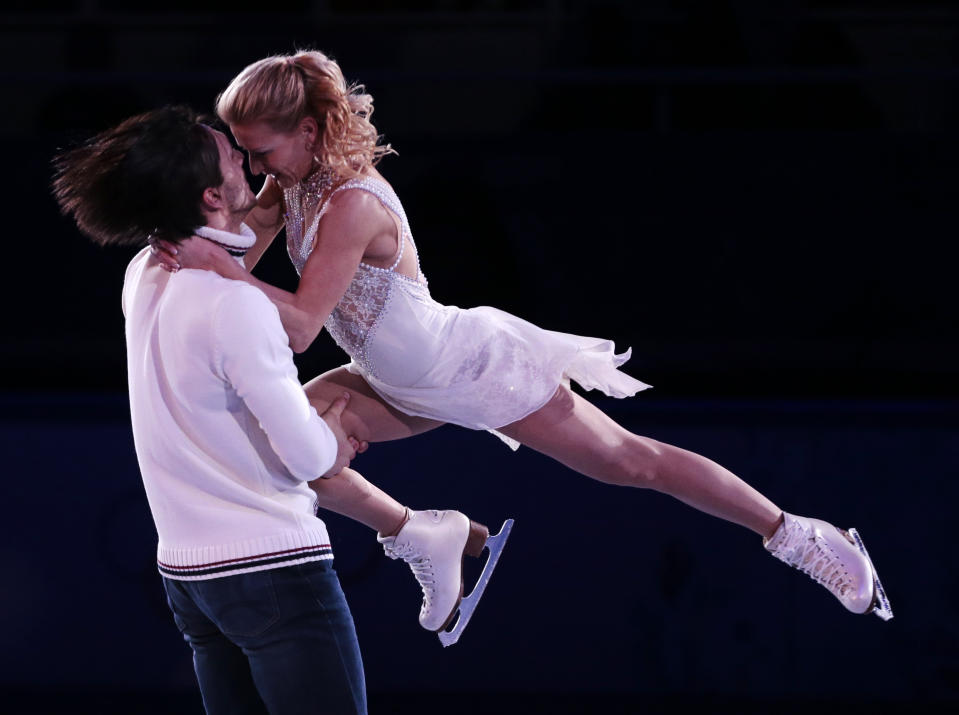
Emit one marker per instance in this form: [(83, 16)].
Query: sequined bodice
[(478, 367), (355, 318)]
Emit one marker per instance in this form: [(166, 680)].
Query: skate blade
[(495, 544), (881, 606)]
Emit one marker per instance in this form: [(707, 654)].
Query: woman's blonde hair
[(284, 89)]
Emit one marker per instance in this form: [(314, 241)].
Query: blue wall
[(602, 592)]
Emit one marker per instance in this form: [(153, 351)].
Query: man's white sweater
[(224, 434)]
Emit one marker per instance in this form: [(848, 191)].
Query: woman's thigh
[(576, 433), (367, 417)]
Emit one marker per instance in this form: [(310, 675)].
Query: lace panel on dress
[(352, 324)]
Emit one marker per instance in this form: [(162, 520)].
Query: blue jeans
[(280, 641)]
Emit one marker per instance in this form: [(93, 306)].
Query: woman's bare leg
[(368, 419), (578, 434), (350, 495), (433, 543)]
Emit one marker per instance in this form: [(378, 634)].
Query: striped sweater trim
[(258, 562)]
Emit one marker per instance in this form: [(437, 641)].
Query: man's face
[(235, 189)]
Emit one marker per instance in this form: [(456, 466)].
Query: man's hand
[(346, 446)]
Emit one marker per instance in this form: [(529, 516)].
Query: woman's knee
[(640, 462), (367, 416), (321, 395)]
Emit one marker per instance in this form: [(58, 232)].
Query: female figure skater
[(428, 363)]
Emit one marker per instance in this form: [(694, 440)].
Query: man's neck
[(224, 222)]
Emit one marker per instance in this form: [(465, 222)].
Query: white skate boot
[(836, 559), (434, 544)]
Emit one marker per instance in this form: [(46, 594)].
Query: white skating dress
[(480, 368)]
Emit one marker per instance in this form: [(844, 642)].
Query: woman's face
[(287, 156)]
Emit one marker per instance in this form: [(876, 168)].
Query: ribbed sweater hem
[(219, 560)]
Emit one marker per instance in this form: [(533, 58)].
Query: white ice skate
[(834, 558), (434, 544)]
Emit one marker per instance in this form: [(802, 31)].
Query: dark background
[(756, 196)]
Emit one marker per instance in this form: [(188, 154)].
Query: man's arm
[(253, 356)]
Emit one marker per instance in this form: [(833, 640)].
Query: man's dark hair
[(144, 177)]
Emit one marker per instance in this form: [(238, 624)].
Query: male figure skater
[(225, 437)]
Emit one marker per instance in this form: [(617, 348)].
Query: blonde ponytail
[(284, 89)]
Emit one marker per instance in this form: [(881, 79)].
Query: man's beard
[(241, 201)]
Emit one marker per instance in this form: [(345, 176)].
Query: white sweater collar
[(236, 244)]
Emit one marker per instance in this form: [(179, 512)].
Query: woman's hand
[(194, 252), (197, 252), (166, 253)]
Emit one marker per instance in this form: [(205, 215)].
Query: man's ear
[(212, 198)]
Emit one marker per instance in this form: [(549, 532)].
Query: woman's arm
[(266, 219), (353, 221)]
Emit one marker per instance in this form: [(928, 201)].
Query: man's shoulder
[(232, 289), (137, 263), (197, 295), (132, 277), (232, 300), (213, 283)]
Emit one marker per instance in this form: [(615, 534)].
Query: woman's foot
[(833, 558), (434, 543)]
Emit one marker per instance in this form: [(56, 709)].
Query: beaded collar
[(314, 187), (302, 199)]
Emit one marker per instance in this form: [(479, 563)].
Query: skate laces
[(420, 565), (807, 551)]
